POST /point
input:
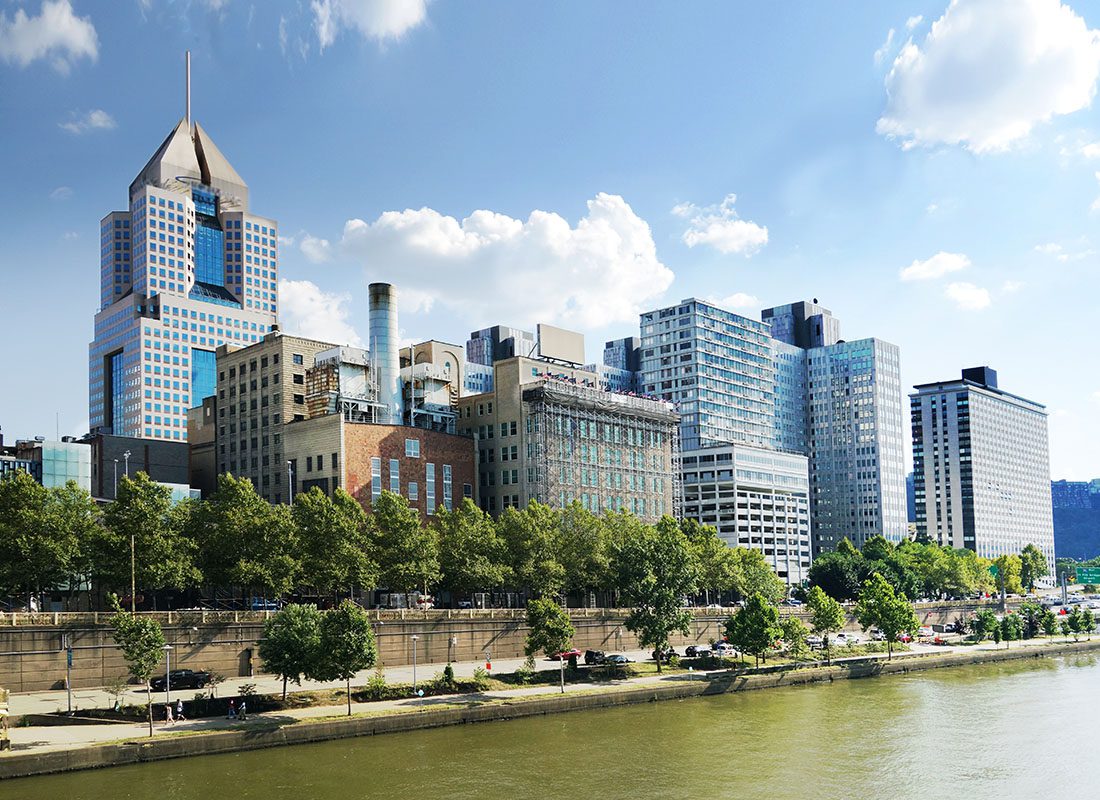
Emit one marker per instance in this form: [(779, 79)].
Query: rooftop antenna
[(187, 70)]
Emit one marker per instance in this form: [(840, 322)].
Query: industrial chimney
[(383, 348)]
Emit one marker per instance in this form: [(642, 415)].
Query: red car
[(904, 637), (565, 655)]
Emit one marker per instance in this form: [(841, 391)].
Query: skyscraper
[(185, 269), (981, 466)]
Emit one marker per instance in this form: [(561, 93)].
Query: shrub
[(526, 673), (246, 690), (481, 678)]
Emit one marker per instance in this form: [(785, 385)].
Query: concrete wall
[(32, 658)]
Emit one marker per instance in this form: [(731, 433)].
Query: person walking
[(232, 710), (179, 710), (168, 714), (244, 710)]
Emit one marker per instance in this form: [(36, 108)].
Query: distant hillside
[(1077, 532)]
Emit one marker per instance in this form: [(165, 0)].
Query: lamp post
[(290, 480), (167, 673), (114, 494), (414, 640), (126, 459), (133, 544)]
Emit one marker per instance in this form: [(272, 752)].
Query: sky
[(930, 171)]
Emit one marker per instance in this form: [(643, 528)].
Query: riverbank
[(218, 736)]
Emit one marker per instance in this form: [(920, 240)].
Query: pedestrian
[(168, 714), (232, 711), (179, 710), (244, 710)]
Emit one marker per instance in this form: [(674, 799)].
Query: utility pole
[(133, 544), (114, 494), (67, 643), (290, 480)]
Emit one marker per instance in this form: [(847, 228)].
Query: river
[(1021, 730)]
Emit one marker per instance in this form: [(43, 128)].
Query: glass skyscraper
[(186, 269)]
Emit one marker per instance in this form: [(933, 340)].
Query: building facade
[(981, 467), (549, 433), (164, 462), (185, 269), (490, 345), (52, 464), (754, 498), (1070, 494)]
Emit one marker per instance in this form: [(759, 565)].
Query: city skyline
[(958, 271)]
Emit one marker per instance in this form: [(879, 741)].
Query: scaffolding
[(609, 451)]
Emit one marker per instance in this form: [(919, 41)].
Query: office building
[(981, 466), (753, 498), (184, 270), (52, 464), (549, 433), (1070, 494), (500, 342), (112, 457)]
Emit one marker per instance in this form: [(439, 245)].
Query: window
[(375, 478), (467, 490), (447, 502), (412, 448), (297, 358), (309, 463), (320, 463), (429, 488), (395, 476), (299, 378), (414, 490)]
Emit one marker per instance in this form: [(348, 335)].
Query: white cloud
[(1062, 254), (61, 193), (1050, 248), (56, 33), (932, 208), (308, 311), (1010, 287), (283, 35), (95, 120), (541, 269), (286, 241), (967, 296), (374, 19), (316, 250), (70, 235), (935, 267), (719, 226), (882, 52), (913, 22), (988, 71), (1090, 150), (737, 300)]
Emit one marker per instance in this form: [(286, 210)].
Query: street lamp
[(167, 673), (414, 640), (114, 494), (290, 479), (126, 458), (133, 544)]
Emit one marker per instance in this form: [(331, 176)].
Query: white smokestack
[(383, 348)]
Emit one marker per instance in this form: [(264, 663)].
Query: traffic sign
[(1088, 574)]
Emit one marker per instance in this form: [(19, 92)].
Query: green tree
[(1009, 568), (881, 607), (656, 570), (582, 549), (408, 552), (983, 624), (550, 629), (1033, 565), (245, 541), (826, 616), (754, 575), (531, 541), (1081, 620), (837, 574), (291, 641), (1031, 614), (334, 540), (1066, 628), (1049, 622), (141, 641), (717, 563), (1012, 628), (877, 548), (794, 633), (471, 554), (346, 646), (755, 628), (142, 516)]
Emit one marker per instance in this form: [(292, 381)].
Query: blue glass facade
[(116, 392), (203, 375), (209, 240)]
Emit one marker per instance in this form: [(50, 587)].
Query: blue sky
[(574, 162)]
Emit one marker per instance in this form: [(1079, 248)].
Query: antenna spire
[(187, 84)]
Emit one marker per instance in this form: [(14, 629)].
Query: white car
[(724, 650)]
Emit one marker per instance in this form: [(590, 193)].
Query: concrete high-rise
[(185, 269), (981, 466)]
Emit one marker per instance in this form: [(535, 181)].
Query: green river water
[(1022, 730)]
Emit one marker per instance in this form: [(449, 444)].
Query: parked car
[(815, 642), (618, 659), (668, 653), (594, 656), (260, 604), (877, 635), (926, 631), (848, 638), (181, 679), (724, 650), (904, 637), (790, 601), (565, 655), (697, 650)]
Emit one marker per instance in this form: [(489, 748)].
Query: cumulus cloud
[(935, 267), (988, 71), (56, 34), (913, 22), (374, 19), (315, 249), (737, 300), (61, 193), (95, 120), (308, 311), (882, 52), (720, 227), (967, 296), (542, 269), (1011, 287), (1059, 252)]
